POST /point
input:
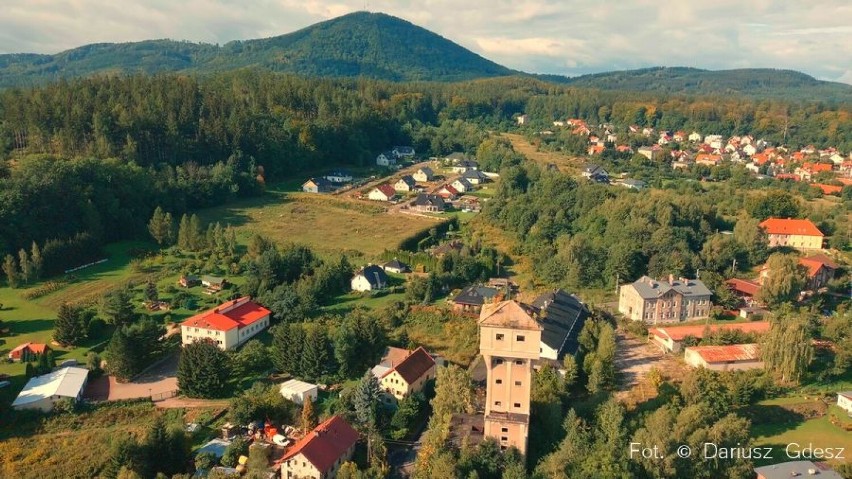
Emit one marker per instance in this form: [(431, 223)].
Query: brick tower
[(509, 341)]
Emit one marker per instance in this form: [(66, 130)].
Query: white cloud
[(550, 36)]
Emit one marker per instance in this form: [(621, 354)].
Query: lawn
[(817, 432), (326, 223)]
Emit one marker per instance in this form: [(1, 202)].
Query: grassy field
[(567, 164), (325, 223), (817, 432), (77, 446)]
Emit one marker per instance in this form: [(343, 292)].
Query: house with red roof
[(743, 288), (670, 338), (800, 234), (808, 170), (596, 150), (447, 192), (408, 375), (820, 270), (229, 325), (733, 357), (383, 192), (829, 189), (28, 351), (321, 452)]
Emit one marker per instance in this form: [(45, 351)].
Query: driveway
[(157, 382)]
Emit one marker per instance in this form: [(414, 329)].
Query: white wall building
[(42, 392)]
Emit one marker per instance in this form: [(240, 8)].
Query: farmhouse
[(562, 317), (670, 338), (462, 185), (406, 183), (370, 278), (429, 203), (387, 158), (42, 392), (800, 234), (28, 351), (317, 185), (424, 174), (229, 324), (844, 401), (396, 266), (408, 376), (652, 301), (383, 192), (472, 298), (296, 391), (214, 283), (320, 453), (734, 357)]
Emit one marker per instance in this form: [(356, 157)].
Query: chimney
[(671, 279)]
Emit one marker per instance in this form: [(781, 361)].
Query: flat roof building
[(42, 392)]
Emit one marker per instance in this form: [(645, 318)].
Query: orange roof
[(845, 181), (780, 226), (35, 348), (707, 158), (814, 263), (327, 443), (238, 313), (743, 286), (678, 333), (723, 354), (829, 189), (387, 189), (816, 167), (414, 366), (759, 158), (596, 149)]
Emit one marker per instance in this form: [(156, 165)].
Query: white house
[(424, 174), (384, 192), (339, 176), (42, 392), (749, 149), (387, 158), (297, 391), (844, 401), (462, 185), (403, 151), (406, 183), (371, 277), (228, 325), (695, 136)]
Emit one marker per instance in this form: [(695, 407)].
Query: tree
[(93, 362), (205, 461), (253, 357), (184, 236), (37, 261), (785, 280), (151, 293), (775, 203), (133, 347), (69, 328), (10, 268), (569, 364), (453, 392), (366, 399), (787, 348), (160, 227), (287, 345), (238, 447), (116, 307), (166, 448), (309, 419), (196, 238), (749, 234), (26, 266), (203, 370), (315, 355)]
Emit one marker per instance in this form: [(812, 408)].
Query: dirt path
[(633, 359), (180, 402)]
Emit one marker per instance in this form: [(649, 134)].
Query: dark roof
[(562, 315), (414, 366), (320, 181), (475, 295), (467, 185), (409, 180), (327, 443), (475, 174), (649, 288), (430, 200), (786, 470), (396, 264), (374, 275), (448, 247)]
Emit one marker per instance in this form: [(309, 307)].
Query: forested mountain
[(372, 45), (753, 82), (379, 46)]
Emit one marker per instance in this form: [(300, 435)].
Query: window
[(498, 403), (499, 381), (504, 429), (504, 438), (520, 339), (519, 362), (517, 383), (498, 361), (500, 337), (517, 404)]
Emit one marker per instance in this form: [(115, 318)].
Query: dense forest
[(184, 142)]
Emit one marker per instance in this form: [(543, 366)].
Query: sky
[(568, 37)]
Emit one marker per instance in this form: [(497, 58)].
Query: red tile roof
[(677, 333), (387, 189), (238, 313), (722, 354), (327, 443), (779, 226), (34, 348), (743, 286), (829, 189), (814, 263), (414, 366), (817, 167)]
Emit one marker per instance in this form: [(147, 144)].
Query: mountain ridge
[(380, 46)]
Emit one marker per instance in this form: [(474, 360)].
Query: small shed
[(297, 391)]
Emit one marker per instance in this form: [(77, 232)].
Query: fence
[(164, 395)]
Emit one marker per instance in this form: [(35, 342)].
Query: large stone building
[(799, 234), (229, 325), (509, 341), (652, 301)]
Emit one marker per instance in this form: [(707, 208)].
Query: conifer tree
[(68, 329), (26, 266), (184, 237), (37, 261)]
